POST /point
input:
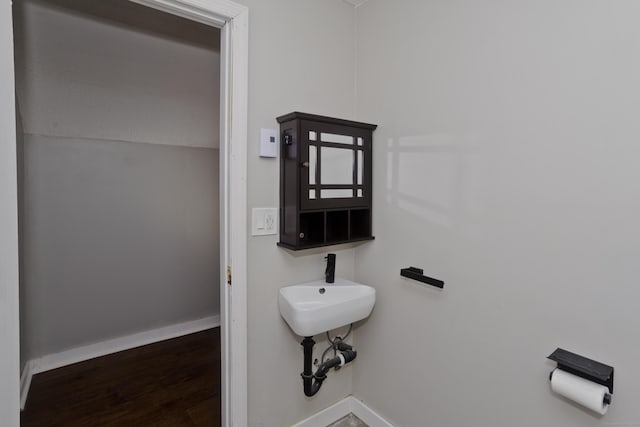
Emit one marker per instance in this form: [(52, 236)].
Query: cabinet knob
[(301, 235), (305, 164)]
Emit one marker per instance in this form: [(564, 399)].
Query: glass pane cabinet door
[(336, 166)]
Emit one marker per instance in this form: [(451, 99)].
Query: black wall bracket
[(585, 368), (417, 274)]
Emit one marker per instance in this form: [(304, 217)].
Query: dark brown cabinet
[(325, 181)]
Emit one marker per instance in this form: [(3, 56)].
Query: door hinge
[(229, 275)]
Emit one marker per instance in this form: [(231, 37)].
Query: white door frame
[(232, 19), (9, 302)]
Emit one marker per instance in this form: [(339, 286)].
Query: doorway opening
[(233, 133)]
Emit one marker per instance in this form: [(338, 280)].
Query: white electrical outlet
[(264, 221)]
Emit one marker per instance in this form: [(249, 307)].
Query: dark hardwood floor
[(173, 383)]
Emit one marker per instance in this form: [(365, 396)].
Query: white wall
[(300, 59), (20, 188), (119, 238), (9, 318), (120, 107), (145, 76), (506, 164)]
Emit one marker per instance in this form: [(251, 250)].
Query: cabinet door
[(335, 164)]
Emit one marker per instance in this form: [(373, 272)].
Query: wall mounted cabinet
[(325, 181)]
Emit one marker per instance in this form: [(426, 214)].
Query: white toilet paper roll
[(582, 391)]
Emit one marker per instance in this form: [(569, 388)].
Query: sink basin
[(315, 307)]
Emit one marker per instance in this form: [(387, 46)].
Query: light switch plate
[(264, 221), (268, 142)]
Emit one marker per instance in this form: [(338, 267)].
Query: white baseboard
[(25, 382), (328, 415), (103, 348), (342, 408), (368, 415)]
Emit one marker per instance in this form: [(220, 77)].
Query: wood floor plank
[(202, 413), (174, 383)]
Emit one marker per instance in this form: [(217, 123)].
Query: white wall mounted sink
[(315, 307)]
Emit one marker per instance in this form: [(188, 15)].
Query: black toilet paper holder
[(583, 367)]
